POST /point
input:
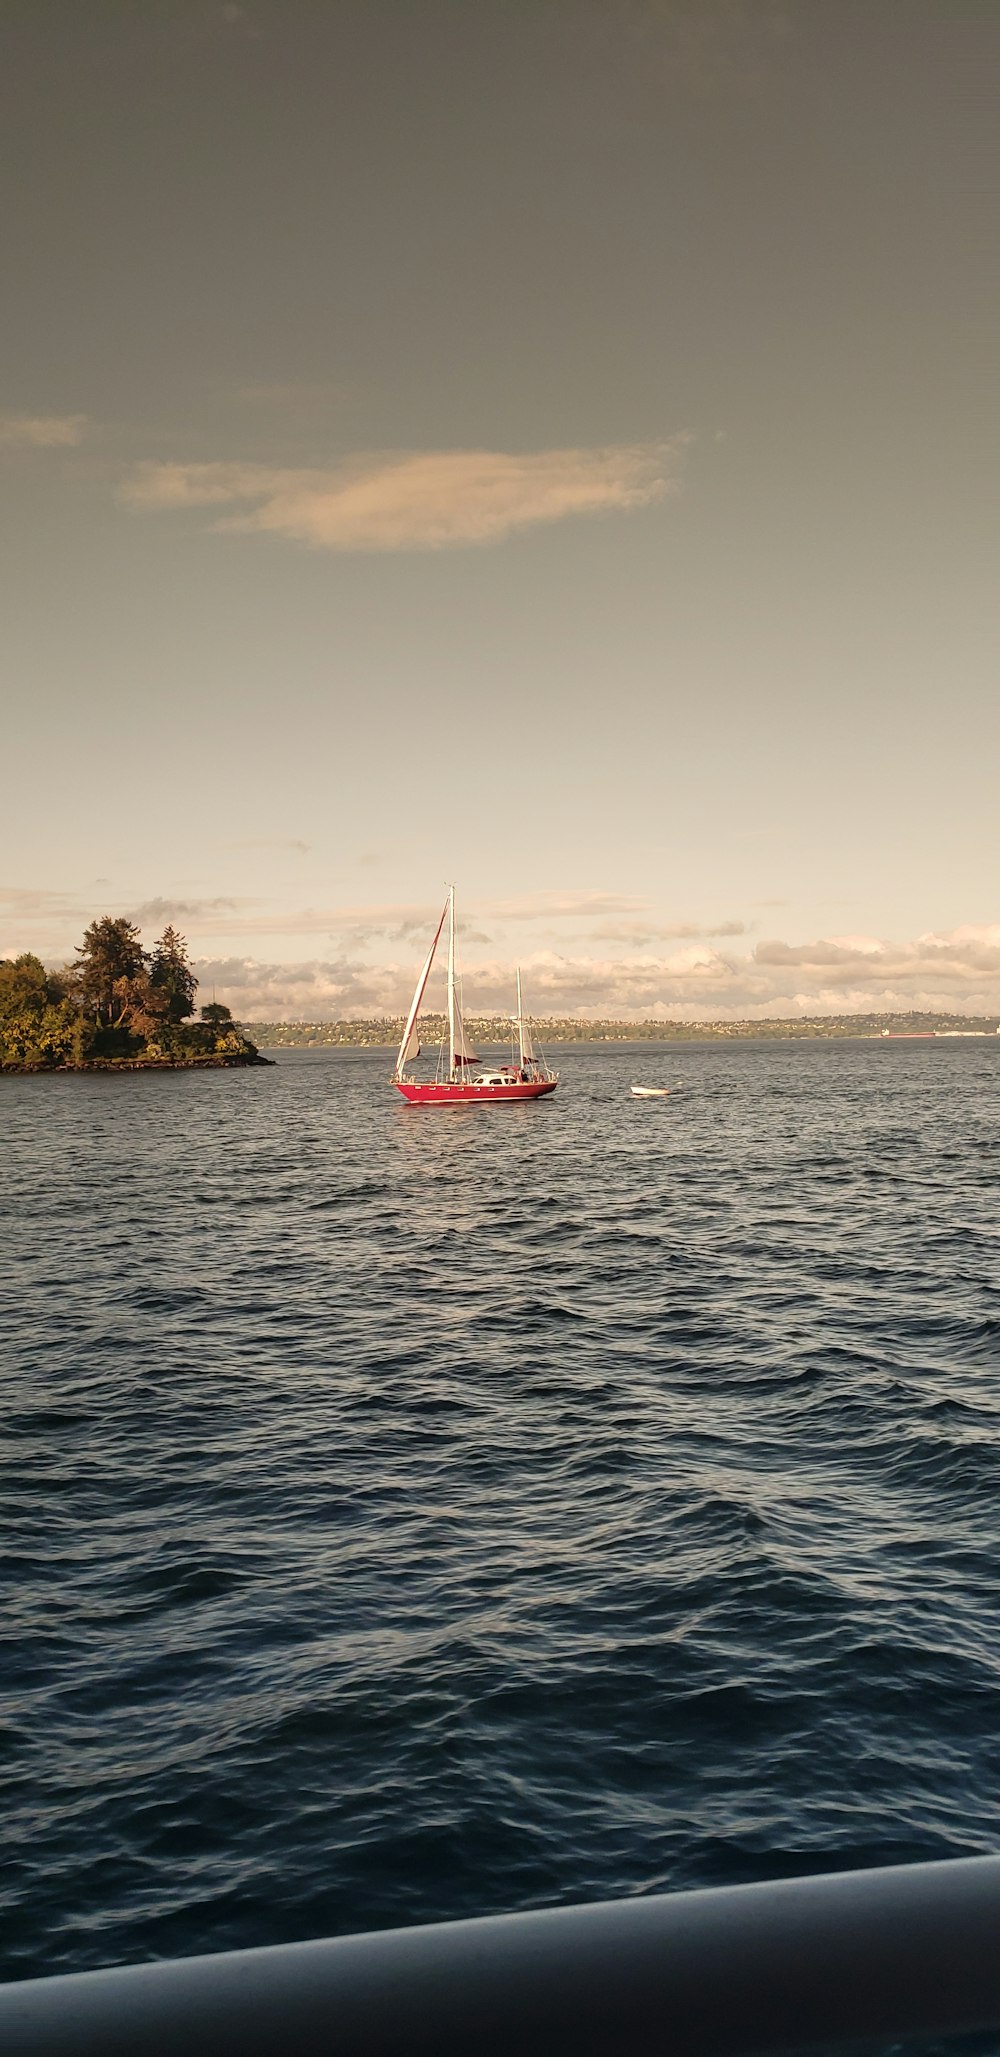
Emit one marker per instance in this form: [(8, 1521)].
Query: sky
[(545, 445)]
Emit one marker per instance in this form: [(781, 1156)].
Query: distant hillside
[(384, 1032)]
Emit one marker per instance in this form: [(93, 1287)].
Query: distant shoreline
[(384, 1034)]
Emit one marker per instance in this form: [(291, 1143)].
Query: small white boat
[(651, 1092)]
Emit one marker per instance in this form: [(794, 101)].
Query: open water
[(411, 1513)]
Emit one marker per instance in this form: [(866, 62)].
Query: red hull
[(426, 1093)]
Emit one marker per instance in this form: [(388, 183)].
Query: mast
[(525, 1044), (451, 982)]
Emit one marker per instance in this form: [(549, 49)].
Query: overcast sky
[(547, 445)]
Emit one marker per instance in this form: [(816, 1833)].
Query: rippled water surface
[(411, 1513)]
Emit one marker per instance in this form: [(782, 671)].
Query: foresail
[(463, 1052), (410, 1045)]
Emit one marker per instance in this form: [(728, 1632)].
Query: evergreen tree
[(112, 966), (172, 982)]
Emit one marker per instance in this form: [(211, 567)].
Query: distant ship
[(529, 1079)]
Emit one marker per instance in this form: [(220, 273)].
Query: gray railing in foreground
[(801, 1963)]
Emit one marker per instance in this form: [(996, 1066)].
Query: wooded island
[(118, 1007)]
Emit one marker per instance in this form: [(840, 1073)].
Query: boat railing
[(850, 1958)]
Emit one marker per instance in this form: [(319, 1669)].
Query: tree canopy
[(118, 1003)]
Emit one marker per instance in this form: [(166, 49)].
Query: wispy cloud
[(293, 843), (52, 922), (422, 500), (149, 912), (639, 932), (37, 903), (556, 906), (41, 431)]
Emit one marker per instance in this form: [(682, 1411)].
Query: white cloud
[(312, 991), (969, 953), (421, 500), (41, 431)]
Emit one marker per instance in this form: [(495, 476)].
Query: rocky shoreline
[(212, 1063)]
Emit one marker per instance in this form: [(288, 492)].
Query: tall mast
[(451, 980)]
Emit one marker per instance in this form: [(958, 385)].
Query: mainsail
[(410, 1045)]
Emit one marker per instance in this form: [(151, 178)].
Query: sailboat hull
[(430, 1093)]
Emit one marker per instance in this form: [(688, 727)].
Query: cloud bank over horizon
[(582, 952), (954, 973)]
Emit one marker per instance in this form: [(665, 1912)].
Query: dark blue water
[(418, 1513)]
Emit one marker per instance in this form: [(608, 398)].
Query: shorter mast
[(460, 1050), (410, 1045), (525, 1043)]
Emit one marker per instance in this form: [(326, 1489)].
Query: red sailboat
[(528, 1079)]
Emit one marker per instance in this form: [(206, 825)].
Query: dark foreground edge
[(801, 1964)]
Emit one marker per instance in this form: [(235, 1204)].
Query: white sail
[(461, 1050), (410, 1045), (523, 1029)]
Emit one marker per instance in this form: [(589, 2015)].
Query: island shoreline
[(119, 1064)]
